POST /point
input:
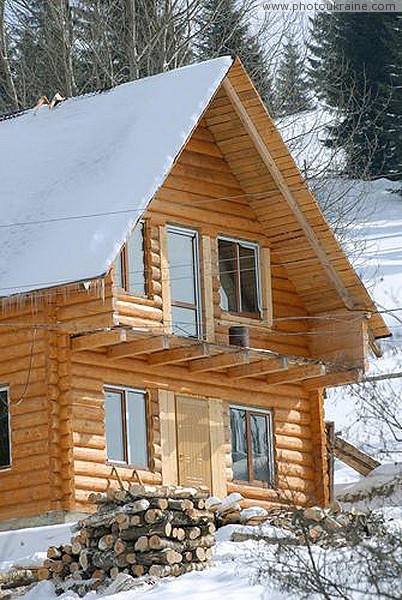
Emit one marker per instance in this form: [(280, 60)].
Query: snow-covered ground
[(27, 547), (238, 572)]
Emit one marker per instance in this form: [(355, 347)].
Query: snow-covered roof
[(74, 180)]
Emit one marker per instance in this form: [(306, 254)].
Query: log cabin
[(174, 303)]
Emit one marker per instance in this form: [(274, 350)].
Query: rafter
[(263, 367), (296, 374), (89, 341), (181, 354), (138, 347), (221, 361), (334, 379)]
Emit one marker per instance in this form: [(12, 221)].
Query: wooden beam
[(89, 341), (334, 379), (296, 374), (167, 424), (266, 285), (287, 194), (208, 289), (165, 273), (271, 365), (137, 347), (217, 444), (176, 355), (221, 361), (353, 457)]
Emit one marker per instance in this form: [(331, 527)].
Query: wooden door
[(193, 441)]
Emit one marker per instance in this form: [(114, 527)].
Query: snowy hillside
[(378, 261), (367, 217)]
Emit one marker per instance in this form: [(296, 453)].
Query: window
[(129, 265), (126, 426), (239, 277), (252, 445), (184, 281), (5, 442)]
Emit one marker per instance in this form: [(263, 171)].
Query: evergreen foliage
[(356, 68), (223, 30), (42, 57), (292, 94), (123, 40), (77, 46)]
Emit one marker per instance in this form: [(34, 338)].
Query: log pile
[(147, 530), (228, 511)]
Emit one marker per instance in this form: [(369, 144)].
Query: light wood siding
[(217, 438), (167, 416)]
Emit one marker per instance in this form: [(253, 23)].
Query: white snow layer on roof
[(91, 155)]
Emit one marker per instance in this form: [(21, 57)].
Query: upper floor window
[(130, 264), (252, 445), (5, 441), (239, 277), (126, 426), (184, 276)]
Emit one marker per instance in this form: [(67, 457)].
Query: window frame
[(197, 307), (269, 414), (257, 270), (122, 391), (5, 388), (123, 259)]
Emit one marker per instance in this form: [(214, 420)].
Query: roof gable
[(300, 237), (75, 180)]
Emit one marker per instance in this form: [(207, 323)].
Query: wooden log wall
[(58, 378), (92, 473), (25, 487), (202, 192), (34, 365), (144, 311), (290, 403)]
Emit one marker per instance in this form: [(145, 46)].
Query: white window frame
[(254, 246), (6, 389), (124, 425), (267, 412), (194, 234)]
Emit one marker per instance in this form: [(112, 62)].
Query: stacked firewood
[(228, 511), (158, 531)]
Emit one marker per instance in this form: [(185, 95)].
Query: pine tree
[(223, 30), (355, 69), (292, 93)]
